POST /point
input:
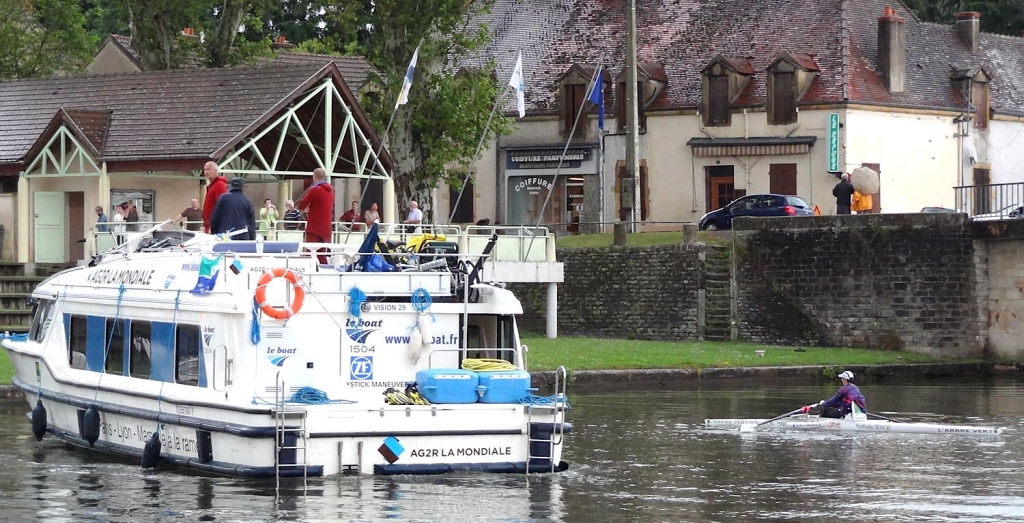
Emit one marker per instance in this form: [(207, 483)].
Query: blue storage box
[(448, 385), (504, 386)]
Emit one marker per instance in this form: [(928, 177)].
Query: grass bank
[(600, 354)]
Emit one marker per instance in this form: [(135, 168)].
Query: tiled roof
[(354, 69), (153, 115), (685, 35)]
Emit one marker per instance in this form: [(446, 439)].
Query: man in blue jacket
[(842, 403), (234, 212)]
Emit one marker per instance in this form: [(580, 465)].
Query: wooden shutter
[(718, 100), (876, 199), (645, 196), (464, 211), (982, 199), (782, 178), (783, 98)]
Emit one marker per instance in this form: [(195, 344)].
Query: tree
[(997, 16), (435, 135), (42, 38)]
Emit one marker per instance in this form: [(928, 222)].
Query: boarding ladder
[(289, 433), (543, 414)]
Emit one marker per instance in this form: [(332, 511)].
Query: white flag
[(403, 97), (516, 82)]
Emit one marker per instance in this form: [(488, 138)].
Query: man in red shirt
[(216, 186), (318, 202)]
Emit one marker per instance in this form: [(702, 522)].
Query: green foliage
[(997, 16), (42, 38)]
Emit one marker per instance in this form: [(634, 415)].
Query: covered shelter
[(75, 143)]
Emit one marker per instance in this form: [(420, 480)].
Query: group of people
[(227, 210), (849, 199), (126, 217)]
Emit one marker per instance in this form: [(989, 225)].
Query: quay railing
[(994, 201)]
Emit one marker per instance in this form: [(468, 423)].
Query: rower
[(842, 403)]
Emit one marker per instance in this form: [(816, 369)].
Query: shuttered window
[(718, 100)]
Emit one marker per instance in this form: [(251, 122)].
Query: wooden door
[(721, 187)]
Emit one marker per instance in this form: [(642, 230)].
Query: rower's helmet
[(846, 375)]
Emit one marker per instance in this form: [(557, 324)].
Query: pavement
[(602, 381)]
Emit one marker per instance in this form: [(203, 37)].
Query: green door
[(50, 219)]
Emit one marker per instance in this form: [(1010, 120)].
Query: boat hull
[(816, 424)]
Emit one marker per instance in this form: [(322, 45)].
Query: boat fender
[(415, 345), (424, 327), (91, 425), (151, 453), (299, 294), (39, 420)]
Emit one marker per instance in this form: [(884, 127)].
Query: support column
[(103, 200), (390, 202), (24, 221), (552, 311), (284, 193)]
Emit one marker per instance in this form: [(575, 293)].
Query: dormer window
[(789, 76), (973, 85), (572, 95), (650, 82), (722, 82), (980, 100)]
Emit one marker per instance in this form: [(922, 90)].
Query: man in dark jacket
[(234, 212), (843, 191)]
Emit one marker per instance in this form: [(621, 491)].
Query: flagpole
[(380, 147), (483, 135), (572, 132)]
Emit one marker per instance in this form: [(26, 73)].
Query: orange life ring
[(261, 294)]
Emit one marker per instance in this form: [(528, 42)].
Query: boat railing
[(515, 242), (511, 355)]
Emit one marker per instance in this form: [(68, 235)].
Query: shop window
[(113, 340), (140, 349), (188, 341), (463, 212), (527, 196), (77, 338)]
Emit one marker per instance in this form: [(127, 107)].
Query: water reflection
[(635, 457)]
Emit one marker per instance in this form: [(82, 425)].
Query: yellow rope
[(486, 364)]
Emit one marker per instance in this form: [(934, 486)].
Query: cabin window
[(113, 340), (42, 314), (187, 344), (77, 336), (140, 353)]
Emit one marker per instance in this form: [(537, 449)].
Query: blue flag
[(597, 98)]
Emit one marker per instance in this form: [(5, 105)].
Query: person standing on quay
[(216, 186), (843, 191)]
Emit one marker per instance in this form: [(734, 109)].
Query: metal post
[(552, 311), (632, 117)]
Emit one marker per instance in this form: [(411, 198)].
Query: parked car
[(939, 210), (755, 205), (1010, 212)]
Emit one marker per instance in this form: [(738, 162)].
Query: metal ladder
[(556, 418), (283, 414)]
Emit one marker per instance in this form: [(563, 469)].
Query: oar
[(750, 428)]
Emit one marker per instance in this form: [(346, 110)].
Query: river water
[(634, 457)]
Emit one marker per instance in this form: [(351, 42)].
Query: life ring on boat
[(280, 313)]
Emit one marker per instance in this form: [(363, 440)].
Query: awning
[(754, 146)]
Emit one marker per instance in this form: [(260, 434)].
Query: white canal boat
[(286, 366), (804, 422)]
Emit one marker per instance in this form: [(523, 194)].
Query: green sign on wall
[(833, 142)]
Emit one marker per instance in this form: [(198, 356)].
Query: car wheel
[(710, 226)]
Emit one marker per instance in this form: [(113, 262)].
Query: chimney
[(968, 26), (892, 50), (282, 43)]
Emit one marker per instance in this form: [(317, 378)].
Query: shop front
[(543, 187)]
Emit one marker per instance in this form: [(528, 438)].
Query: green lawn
[(599, 354)]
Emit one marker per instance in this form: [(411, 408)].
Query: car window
[(797, 202), (742, 204), (772, 201)]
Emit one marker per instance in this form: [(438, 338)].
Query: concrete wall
[(1001, 146)]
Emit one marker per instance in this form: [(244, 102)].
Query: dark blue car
[(755, 205)]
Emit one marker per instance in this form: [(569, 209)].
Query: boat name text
[(463, 451), (122, 276)]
